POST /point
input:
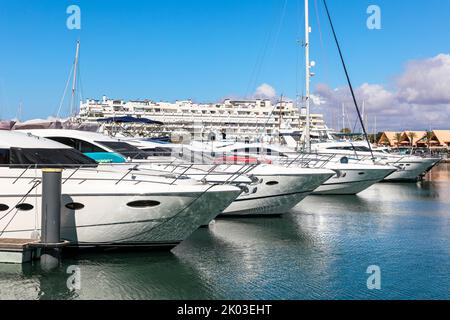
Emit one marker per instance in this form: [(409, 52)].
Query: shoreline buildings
[(240, 118), (435, 139)]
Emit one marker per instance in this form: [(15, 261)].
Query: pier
[(48, 247), (18, 250)]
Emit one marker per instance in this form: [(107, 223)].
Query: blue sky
[(203, 49)]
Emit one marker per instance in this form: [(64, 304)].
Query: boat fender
[(253, 179), (244, 188), (338, 173)]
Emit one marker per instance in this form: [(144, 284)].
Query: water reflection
[(320, 250)]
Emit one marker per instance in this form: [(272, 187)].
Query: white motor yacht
[(349, 177), (409, 168), (274, 189), (101, 208)]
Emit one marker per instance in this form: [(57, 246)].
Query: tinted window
[(340, 148), (80, 145), (158, 152), (4, 156), (49, 157), (125, 149)]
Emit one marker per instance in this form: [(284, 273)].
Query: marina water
[(320, 250)]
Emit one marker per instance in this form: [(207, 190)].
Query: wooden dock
[(18, 250)]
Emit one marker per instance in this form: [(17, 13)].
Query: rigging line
[(165, 222), (65, 92), (80, 85), (257, 63), (322, 45), (263, 53), (280, 25), (348, 77), (17, 210), (21, 199)]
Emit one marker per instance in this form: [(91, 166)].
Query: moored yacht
[(100, 208), (349, 178), (274, 189), (409, 168)]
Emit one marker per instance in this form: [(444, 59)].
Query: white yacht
[(101, 208), (273, 190), (349, 178), (409, 168)]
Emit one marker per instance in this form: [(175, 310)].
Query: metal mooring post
[(51, 218)]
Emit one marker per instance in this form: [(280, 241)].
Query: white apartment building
[(240, 118)]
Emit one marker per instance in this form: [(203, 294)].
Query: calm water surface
[(320, 250)]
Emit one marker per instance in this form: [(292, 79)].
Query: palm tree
[(428, 138), (412, 136), (398, 138)]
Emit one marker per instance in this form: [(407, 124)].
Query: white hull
[(107, 218), (351, 181), (411, 171), (277, 193), (292, 186)]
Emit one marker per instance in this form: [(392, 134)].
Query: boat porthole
[(24, 207), (143, 204), (362, 173), (74, 206), (3, 207), (272, 183)]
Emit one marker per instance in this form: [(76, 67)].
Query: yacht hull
[(106, 217), (276, 194), (352, 181), (411, 171)]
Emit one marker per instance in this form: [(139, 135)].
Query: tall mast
[(308, 80), (74, 83)]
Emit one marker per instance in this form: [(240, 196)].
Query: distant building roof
[(388, 137), (442, 136), (418, 135)]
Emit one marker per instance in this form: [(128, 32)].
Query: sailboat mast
[(307, 80), (74, 83)]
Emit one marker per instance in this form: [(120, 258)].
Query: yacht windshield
[(21, 157), (125, 149)]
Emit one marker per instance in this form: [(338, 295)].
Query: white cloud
[(265, 91), (426, 81), (420, 98)]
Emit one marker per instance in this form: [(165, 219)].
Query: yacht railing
[(149, 170)]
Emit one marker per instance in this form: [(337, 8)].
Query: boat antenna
[(348, 77)]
